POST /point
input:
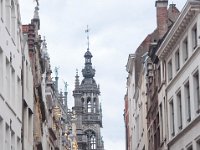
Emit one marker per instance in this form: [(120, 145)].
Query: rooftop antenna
[(88, 42)]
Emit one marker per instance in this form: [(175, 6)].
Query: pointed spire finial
[(76, 80), (88, 40)]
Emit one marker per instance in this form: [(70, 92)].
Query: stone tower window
[(95, 105), (91, 139), (89, 105)]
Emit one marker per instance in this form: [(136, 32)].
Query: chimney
[(162, 17)]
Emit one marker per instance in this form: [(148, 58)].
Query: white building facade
[(10, 77), (179, 56)]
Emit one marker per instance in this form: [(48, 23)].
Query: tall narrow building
[(88, 109)]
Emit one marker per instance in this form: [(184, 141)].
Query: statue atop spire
[(76, 80)]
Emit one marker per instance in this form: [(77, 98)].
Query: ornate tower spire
[(88, 71)]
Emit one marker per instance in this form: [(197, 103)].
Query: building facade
[(179, 58), (88, 109), (14, 61)]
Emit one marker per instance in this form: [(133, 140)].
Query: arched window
[(95, 105), (91, 140), (83, 104), (89, 105)]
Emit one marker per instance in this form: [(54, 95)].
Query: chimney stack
[(162, 17)]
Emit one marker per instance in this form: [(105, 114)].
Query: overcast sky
[(117, 27)]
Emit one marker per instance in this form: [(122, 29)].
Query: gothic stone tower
[(88, 109)]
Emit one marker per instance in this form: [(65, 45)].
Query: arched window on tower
[(89, 105), (95, 105), (91, 140), (83, 104)]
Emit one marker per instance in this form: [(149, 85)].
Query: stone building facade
[(88, 109)]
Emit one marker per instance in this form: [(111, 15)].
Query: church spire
[(88, 71)]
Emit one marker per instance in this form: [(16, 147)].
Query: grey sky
[(117, 27)]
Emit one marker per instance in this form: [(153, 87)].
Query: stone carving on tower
[(87, 108)]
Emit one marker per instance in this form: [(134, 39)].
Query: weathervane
[(88, 42)]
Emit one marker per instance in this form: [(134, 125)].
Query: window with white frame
[(12, 140), (171, 115), (13, 19), (190, 147), (169, 70), (187, 101), (179, 109), (30, 125), (18, 144), (1, 9), (1, 69), (7, 79), (1, 131), (198, 144), (196, 91), (161, 122), (13, 86), (8, 14), (177, 60), (7, 137), (194, 36), (185, 49)]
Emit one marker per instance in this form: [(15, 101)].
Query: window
[(159, 76), (7, 137), (89, 105), (13, 20), (95, 105), (1, 9), (169, 70), (194, 36), (8, 16), (198, 144), (161, 122), (7, 79), (13, 86), (179, 109), (190, 147), (171, 107), (185, 49), (91, 139), (1, 131), (187, 101), (196, 91), (1, 70), (19, 94), (177, 60), (30, 125), (12, 140), (27, 77), (18, 144)]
